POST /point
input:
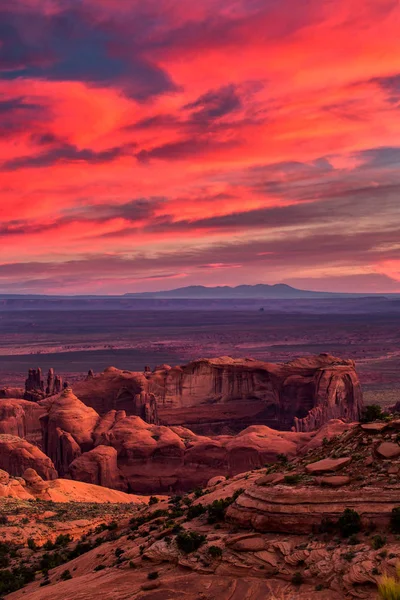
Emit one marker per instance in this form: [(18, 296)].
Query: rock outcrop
[(209, 395), (99, 466), (35, 387), (17, 455), (251, 537), (31, 486), (118, 390), (67, 429), (21, 418), (124, 452)]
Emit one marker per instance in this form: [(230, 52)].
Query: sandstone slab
[(328, 465), (388, 450)]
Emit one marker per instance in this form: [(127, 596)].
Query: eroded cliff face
[(210, 394), (21, 418), (118, 390)]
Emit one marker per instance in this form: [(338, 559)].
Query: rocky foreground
[(322, 525)]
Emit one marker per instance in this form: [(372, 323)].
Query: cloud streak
[(142, 143)]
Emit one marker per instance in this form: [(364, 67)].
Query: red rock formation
[(210, 394), (35, 389), (21, 418), (99, 466), (118, 390), (17, 455), (67, 429)]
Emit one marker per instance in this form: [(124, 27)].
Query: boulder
[(328, 465), (377, 427), (334, 480), (388, 450)]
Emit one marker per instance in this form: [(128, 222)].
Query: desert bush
[(292, 479), (195, 511), (389, 587), (153, 575), (153, 500), (349, 522), (65, 575), (31, 544), (215, 551), (395, 520), (282, 458), (189, 541), (378, 541), (372, 412), (297, 578), (100, 568)]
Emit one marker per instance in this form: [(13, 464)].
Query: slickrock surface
[(260, 540)]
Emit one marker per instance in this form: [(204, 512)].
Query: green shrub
[(349, 522), (31, 544), (153, 575), (215, 551), (189, 541), (195, 511), (378, 541), (372, 412), (100, 568), (65, 575), (292, 479), (297, 578), (395, 520), (153, 500)]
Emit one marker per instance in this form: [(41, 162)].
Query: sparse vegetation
[(395, 520), (372, 412), (297, 578), (195, 511), (189, 541), (389, 587), (153, 575), (349, 522), (215, 551), (378, 541), (153, 500), (65, 575), (292, 479)]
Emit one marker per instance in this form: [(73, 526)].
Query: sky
[(158, 144)]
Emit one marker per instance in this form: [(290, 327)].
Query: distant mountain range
[(262, 291)]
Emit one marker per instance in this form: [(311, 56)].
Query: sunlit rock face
[(227, 395)]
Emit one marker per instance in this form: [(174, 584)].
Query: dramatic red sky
[(153, 144)]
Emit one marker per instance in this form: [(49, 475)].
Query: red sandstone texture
[(126, 453), (225, 395), (17, 455)]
